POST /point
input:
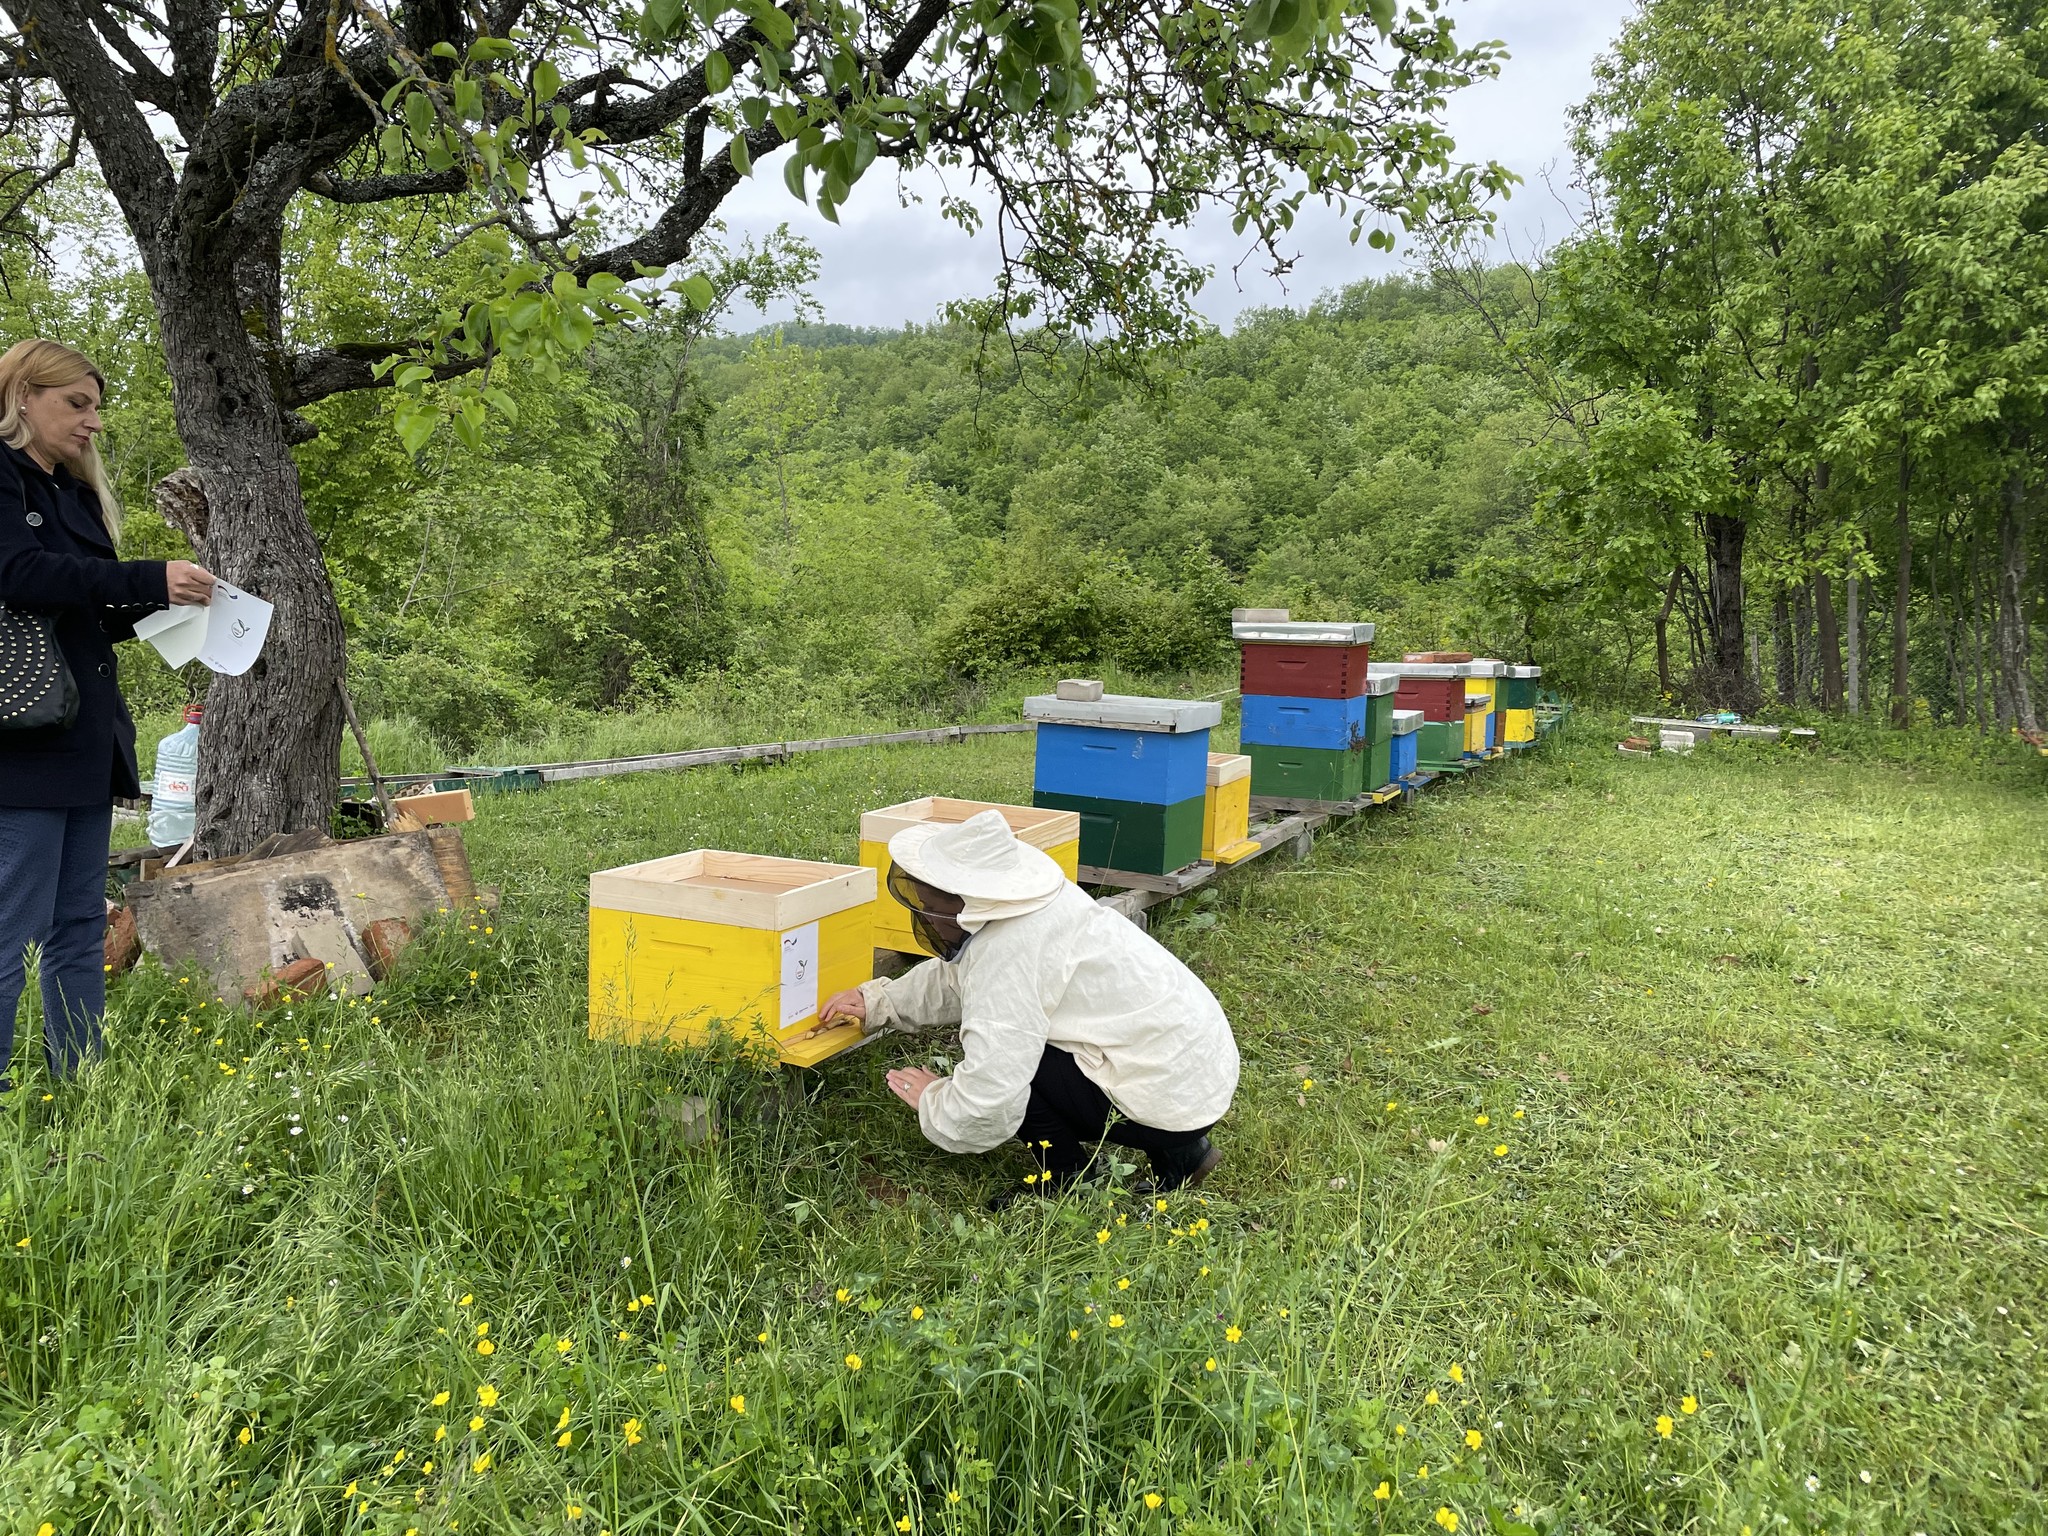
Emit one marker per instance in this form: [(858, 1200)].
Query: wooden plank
[(710, 757), (1179, 883)]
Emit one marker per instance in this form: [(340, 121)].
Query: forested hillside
[(1764, 430)]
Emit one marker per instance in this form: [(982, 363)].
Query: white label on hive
[(799, 974)]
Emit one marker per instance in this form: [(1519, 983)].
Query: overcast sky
[(887, 265)]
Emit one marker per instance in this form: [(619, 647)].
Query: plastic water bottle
[(177, 779)]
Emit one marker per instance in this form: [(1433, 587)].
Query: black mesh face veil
[(905, 890)]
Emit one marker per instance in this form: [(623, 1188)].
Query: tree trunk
[(1902, 599), (1724, 538), (1664, 633), (1852, 693), (270, 746), (2012, 598), (1802, 643), (1782, 658), (1830, 642)]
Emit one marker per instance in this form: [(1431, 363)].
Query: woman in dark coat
[(59, 523)]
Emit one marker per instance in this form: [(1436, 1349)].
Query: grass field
[(1622, 1146)]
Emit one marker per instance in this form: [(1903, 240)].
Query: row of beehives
[(1121, 785)]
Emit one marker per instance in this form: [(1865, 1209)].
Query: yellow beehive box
[(741, 942), (1055, 833), (1518, 725), (1477, 706), (1227, 809)]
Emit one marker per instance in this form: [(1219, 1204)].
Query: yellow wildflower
[(903, 1523), (486, 1347), (466, 1300), (952, 1495), (843, 1295), (737, 1402), (1664, 1425), (563, 1440), (1116, 1319), (575, 1511), (563, 1421), (1232, 1334), (1153, 1501), (563, 1346), (476, 1424), (917, 1314), (1123, 1285), (1472, 1439), (487, 1395), (440, 1433), (440, 1399), (1384, 1492), (632, 1431), (1501, 1150), (1481, 1120), (1209, 1364), (245, 1436), (482, 1463), (1431, 1398), (1447, 1517), (1688, 1404), (1457, 1373), (1100, 1237), (853, 1362)]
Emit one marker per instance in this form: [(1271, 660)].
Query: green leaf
[(741, 160), (717, 71), (793, 178), (697, 292)]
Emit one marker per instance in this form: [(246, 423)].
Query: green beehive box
[(1129, 835), (1379, 717), (1517, 692), (1442, 744), (1307, 773), (1379, 768)]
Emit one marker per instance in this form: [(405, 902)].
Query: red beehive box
[(1435, 688), (1304, 671)]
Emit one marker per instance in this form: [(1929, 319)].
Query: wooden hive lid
[(1407, 721), (1301, 632), (1525, 672), (1483, 666), (740, 890), (1042, 829), (1228, 767), (1126, 712)]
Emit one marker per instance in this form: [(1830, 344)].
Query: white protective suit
[(1140, 1024)]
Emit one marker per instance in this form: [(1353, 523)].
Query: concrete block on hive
[(1082, 690), (1675, 741), (1258, 615)]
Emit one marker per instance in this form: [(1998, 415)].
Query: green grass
[(1760, 1033)]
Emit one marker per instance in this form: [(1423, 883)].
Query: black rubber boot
[(1185, 1166)]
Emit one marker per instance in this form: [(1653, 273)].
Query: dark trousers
[(1071, 1113), (53, 883)]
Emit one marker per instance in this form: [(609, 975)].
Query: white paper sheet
[(226, 635), (799, 974)]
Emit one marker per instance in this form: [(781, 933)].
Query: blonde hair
[(40, 364)]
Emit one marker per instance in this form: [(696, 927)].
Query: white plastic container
[(176, 789)]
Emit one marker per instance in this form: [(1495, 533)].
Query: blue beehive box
[(1118, 747), (1407, 740), (1110, 764), (1328, 725)]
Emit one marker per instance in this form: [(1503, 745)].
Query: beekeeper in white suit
[(1067, 1013)]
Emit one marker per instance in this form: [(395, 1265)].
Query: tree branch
[(385, 189)]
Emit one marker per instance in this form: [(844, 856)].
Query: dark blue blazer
[(56, 559)]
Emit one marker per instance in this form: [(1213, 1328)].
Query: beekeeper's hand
[(909, 1083), (849, 1004)]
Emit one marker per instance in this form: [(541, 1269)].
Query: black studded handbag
[(36, 687)]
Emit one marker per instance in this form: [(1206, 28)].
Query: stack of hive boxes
[(1481, 726), (1437, 691), (1407, 743), (1316, 724), (1135, 770), (1517, 704)]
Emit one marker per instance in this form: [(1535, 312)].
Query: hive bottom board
[(1124, 834)]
